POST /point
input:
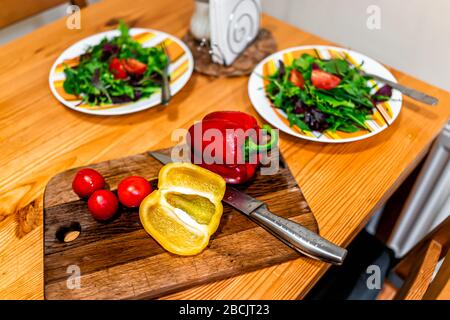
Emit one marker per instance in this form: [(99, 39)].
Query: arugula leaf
[(295, 120), (71, 86), (336, 66), (304, 62)]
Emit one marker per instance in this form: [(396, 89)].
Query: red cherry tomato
[(86, 182), (117, 69), (324, 80), (134, 66), (103, 204), (297, 78), (133, 190)]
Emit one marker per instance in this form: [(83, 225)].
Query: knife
[(289, 232)]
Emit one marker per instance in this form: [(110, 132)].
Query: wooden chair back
[(15, 10), (418, 267)]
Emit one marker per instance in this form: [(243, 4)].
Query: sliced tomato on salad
[(324, 80), (133, 66), (297, 78), (117, 69)]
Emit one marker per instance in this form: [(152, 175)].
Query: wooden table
[(344, 184)]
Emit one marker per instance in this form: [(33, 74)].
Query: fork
[(415, 94), (165, 87)]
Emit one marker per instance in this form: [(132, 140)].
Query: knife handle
[(298, 237)]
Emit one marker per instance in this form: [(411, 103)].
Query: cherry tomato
[(86, 182), (134, 66), (133, 190), (297, 79), (117, 69), (324, 80), (103, 204)]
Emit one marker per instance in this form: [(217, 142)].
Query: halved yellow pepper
[(186, 208)]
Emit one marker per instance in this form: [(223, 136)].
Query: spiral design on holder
[(243, 25)]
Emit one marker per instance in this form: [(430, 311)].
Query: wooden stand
[(263, 46)]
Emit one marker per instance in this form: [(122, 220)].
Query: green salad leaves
[(116, 70), (323, 95)]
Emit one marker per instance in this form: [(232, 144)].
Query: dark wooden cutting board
[(119, 260)]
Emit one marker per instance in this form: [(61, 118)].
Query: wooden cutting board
[(119, 260)]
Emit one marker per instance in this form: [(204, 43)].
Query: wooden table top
[(343, 183)]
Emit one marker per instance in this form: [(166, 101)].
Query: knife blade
[(289, 232)]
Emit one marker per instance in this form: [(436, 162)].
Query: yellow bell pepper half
[(186, 208)]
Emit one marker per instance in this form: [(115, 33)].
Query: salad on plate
[(324, 94), (115, 71)]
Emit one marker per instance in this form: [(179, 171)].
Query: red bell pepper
[(227, 143)]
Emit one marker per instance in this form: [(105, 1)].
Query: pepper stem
[(251, 147)]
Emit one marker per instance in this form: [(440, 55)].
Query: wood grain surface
[(119, 260), (16, 10), (344, 183)]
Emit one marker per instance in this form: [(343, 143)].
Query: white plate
[(384, 115), (180, 69)]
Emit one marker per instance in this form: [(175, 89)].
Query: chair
[(428, 203), (418, 267), (393, 241), (16, 10)]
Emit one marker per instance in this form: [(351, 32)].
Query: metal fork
[(415, 94), (165, 87)]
